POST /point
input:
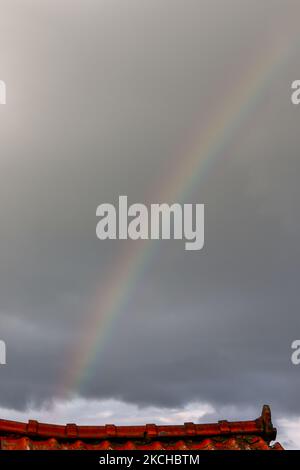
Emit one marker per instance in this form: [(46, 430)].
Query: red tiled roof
[(224, 435)]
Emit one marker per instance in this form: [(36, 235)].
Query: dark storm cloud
[(102, 98)]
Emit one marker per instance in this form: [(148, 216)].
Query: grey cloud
[(104, 98)]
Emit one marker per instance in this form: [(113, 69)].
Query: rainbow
[(205, 150)]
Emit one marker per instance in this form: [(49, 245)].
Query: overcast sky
[(111, 97)]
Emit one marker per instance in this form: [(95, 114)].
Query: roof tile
[(240, 435)]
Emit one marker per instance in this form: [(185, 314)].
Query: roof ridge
[(261, 426)]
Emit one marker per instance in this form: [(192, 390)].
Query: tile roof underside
[(224, 435)]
